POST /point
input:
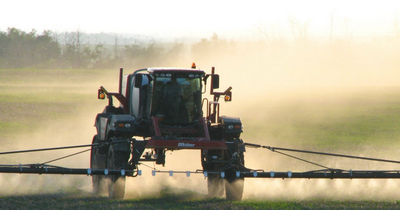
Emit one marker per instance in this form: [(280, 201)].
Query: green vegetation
[(171, 200), (330, 118), (30, 96)]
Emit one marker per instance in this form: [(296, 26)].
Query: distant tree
[(396, 27), (175, 54), (331, 32), (299, 30), (346, 28), (99, 56), (141, 55), (117, 55), (208, 49), (77, 53), (154, 52), (19, 49), (133, 51), (47, 51), (69, 53), (272, 35), (3, 49)]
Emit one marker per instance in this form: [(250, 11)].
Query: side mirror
[(138, 80), (215, 81)]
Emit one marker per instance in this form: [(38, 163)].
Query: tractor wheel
[(215, 185), (98, 161), (234, 187), (116, 183)]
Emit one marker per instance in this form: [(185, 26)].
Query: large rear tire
[(98, 161), (116, 183)]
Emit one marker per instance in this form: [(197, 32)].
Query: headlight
[(121, 125), (230, 127)]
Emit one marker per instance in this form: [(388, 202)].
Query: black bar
[(337, 155), (326, 175), (64, 171), (47, 149), (121, 75)]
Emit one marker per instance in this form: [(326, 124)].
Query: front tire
[(98, 161), (116, 183), (234, 187), (215, 185)]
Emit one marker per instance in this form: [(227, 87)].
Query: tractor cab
[(176, 96), (166, 101)]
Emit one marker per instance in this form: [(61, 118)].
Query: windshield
[(178, 99)]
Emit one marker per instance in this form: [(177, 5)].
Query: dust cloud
[(307, 94), (182, 161), (351, 120), (329, 96)]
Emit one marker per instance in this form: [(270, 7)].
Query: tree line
[(272, 51), (49, 50)]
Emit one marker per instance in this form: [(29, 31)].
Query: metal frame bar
[(316, 174), (63, 171), (326, 174)]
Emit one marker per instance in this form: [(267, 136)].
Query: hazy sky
[(182, 18)]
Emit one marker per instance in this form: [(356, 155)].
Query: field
[(50, 108)]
